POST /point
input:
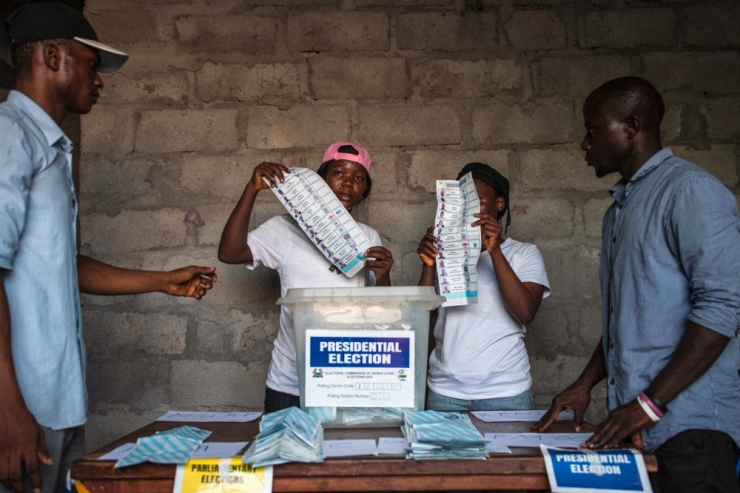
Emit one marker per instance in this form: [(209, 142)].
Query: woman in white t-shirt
[(282, 245), (479, 361)]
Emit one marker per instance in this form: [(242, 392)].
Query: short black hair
[(22, 55), (347, 149)]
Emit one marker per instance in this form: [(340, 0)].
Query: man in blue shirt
[(43, 401), (670, 283)]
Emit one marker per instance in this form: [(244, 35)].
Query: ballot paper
[(208, 450), (442, 435), (207, 417), (350, 448), (174, 446), (326, 222), (288, 435), (459, 243), (391, 446), (511, 416), (573, 440)]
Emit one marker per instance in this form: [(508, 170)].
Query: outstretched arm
[(96, 277), (233, 248)]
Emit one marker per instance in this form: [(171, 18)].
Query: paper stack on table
[(289, 435), (167, 447), (440, 435)]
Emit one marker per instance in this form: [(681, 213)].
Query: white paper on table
[(391, 446), (459, 243), (207, 450), (350, 448), (497, 449), (570, 440), (206, 417), (510, 416), (320, 214)]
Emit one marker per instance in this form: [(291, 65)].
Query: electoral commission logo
[(360, 352)]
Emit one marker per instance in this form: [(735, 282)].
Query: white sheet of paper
[(391, 446), (570, 440), (208, 450), (497, 449), (350, 448), (205, 417), (509, 416)]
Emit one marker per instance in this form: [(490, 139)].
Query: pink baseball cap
[(332, 153)]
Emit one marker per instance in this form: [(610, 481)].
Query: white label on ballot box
[(359, 368)]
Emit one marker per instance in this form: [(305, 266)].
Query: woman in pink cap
[(282, 245)]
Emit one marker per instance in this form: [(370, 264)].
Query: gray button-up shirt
[(670, 255), (38, 258)]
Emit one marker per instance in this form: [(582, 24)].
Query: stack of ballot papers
[(289, 435), (439, 435)]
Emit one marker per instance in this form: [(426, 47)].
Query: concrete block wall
[(214, 87)]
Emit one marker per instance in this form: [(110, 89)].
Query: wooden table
[(524, 469)]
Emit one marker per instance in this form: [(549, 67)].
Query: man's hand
[(576, 398), (21, 444), (191, 281), (490, 230), (426, 249), (272, 171), (623, 422), (380, 262)]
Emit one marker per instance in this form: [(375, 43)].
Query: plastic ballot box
[(361, 352)]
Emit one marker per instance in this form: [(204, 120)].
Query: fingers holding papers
[(274, 172)]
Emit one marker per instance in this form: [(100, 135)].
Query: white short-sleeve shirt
[(479, 352), (282, 245)]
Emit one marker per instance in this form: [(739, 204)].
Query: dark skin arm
[(21, 438), (102, 279)]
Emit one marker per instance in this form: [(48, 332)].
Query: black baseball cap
[(51, 20)]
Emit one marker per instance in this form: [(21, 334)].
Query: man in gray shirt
[(670, 284)]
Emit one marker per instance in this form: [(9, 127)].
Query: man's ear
[(632, 125), (52, 54)]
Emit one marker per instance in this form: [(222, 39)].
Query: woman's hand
[(426, 249), (272, 171), (379, 261), (490, 230)]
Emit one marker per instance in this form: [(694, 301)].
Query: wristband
[(651, 404), (653, 417), (656, 402)]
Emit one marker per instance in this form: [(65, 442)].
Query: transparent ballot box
[(361, 352)]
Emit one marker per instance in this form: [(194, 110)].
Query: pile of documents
[(439, 435), (289, 435)]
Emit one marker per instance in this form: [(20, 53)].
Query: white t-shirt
[(480, 351), (282, 245)]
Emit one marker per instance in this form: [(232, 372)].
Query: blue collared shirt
[(670, 255), (38, 258)]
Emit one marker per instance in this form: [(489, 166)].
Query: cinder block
[(132, 231), (401, 3), (590, 323), (447, 31), (700, 72), (559, 168), (141, 384), (252, 335), (104, 183), (535, 30), (154, 88), (593, 216), (429, 166), (300, 126), (723, 118), (466, 79), (628, 27), (220, 383), (410, 124), (548, 334), (262, 82), (111, 335), (151, 56), (108, 425), (214, 218), (534, 218), (573, 271), (720, 160), (209, 337), (98, 132), (124, 26), (553, 376), (578, 76), (224, 33), (712, 25), (338, 31), (408, 227), (547, 122), (384, 170), (358, 78), (670, 127), (186, 130)]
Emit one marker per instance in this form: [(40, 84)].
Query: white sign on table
[(208, 417), (391, 446), (350, 448), (511, 416), (206, 450), (536, 439)]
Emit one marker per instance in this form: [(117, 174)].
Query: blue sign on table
[(581, 471)]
